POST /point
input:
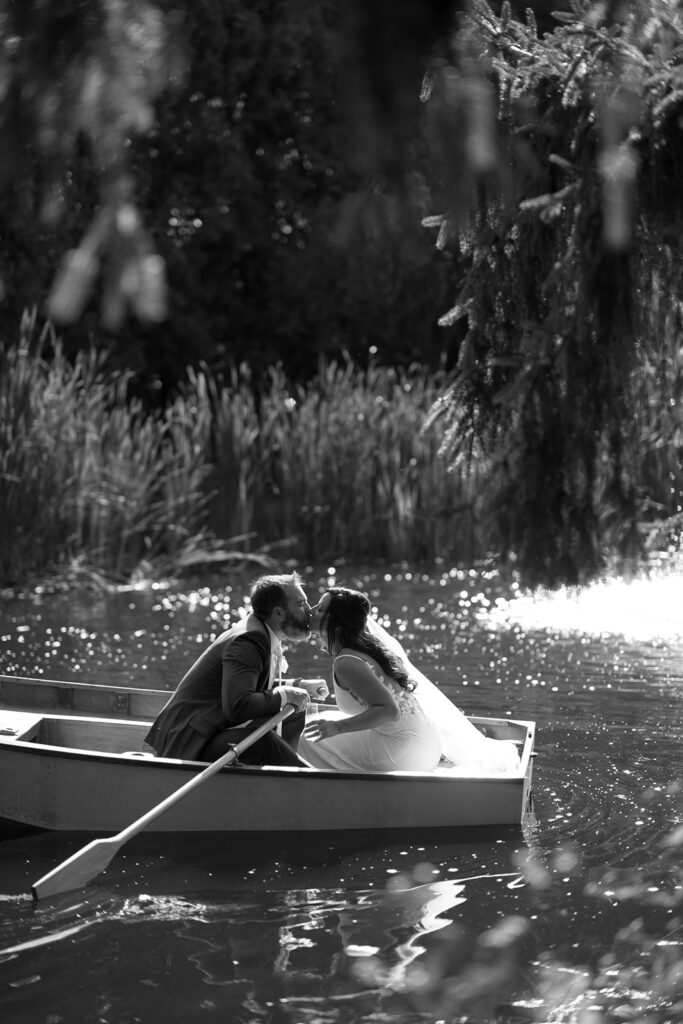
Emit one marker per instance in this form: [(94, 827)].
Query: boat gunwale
[(66, 684), (175, 764)]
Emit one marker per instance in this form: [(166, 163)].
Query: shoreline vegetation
[(233, 471), (227, 472)]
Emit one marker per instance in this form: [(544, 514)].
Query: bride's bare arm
[(355, 675)]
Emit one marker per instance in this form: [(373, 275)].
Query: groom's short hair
[(270, 592)]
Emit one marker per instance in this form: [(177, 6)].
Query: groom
[(236, 684)]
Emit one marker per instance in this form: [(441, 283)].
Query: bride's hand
[(321, 729)]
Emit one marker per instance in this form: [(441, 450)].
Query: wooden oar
[(85, 864)]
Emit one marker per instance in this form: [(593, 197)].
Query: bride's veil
[(461, 742)]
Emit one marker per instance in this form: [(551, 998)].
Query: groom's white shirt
[(277, 664), (276, 659)]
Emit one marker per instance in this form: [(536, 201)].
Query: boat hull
[(49, 782), (90, 794)]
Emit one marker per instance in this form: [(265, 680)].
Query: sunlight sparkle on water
[(638, 609)]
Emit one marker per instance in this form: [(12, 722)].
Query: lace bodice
[(407, 742), (351, 704)]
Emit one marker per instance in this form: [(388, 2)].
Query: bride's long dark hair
[(344, 623)]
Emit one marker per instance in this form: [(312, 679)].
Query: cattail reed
[(338, 467)]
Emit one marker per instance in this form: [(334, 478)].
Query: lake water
[(574, 918)]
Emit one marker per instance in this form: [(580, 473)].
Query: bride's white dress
[(430, 727), (410, 743)]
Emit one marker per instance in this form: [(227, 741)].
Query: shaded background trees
[(569, 280), (278, 242), (279, 160)]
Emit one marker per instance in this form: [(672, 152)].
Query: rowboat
[(73, 758)]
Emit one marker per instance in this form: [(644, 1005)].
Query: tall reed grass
[(86, 474), (341, 464), (340, 467)]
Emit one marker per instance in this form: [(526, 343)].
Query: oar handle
[(83, 866), (215, 766)]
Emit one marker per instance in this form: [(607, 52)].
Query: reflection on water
[(644, 609), (247, 930), (347, 927)]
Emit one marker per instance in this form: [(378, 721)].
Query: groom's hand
[(317, 689), (295, 695)]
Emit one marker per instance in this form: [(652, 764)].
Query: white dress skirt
[(410, 743)]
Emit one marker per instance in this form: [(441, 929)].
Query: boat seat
[(19, 725)]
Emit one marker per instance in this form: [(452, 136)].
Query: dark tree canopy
[(242, 172), (566, 222), (82, 73)]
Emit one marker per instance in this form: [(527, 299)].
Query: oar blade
[(84, 865), (78, 869)]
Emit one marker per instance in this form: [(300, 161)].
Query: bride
[(390, 717)]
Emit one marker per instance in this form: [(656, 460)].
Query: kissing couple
[(388, 715)]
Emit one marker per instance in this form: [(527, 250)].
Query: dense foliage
[(245, 169), (91, 479), (276, 159), (78, 81), (566, 225)]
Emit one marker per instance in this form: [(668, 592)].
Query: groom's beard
[(296, 627)]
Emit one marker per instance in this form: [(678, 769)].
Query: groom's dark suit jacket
[(226, 686)]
